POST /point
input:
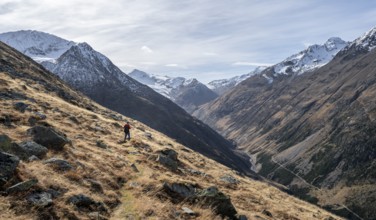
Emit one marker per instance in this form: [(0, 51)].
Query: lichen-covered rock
[(48, 137), (229, 179), (59, 164), (23, 150), (217, 201), (182, 190), (8, 165), (41, 200), (20, 106), (85, 203), (168, 158), (22, 186), (30, 148)]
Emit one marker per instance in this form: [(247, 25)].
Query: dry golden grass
[(134, 191)]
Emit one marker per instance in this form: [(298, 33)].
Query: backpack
[(127, 127)]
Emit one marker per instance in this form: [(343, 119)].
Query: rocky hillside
[(312, 132), (97, 77), (220, 86), (187, 93), (62, 157)]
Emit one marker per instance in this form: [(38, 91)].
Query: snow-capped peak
[(37, 45), (220, 86), (311, 58), (164, 85), (367, 41)]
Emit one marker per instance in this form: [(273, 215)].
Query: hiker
[(127, 127)]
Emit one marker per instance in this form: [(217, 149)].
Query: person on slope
[(127, 133)]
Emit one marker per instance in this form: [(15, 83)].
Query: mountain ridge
[(187, 93), (315, 127)]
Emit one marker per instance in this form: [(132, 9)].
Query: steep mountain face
[(97, 77), (313, 132), (93, 176), (187, 93), (221, 86), (37, 45)]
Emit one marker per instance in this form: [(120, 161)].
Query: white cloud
[(251, 64), (146, 49), (210, 54), (172, 65), (204, 35)]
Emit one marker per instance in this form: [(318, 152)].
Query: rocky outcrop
[(210, 198), (220, 203), (48, 137)]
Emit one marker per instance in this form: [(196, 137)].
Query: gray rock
[(229, 179), (242, 217), (180, 189), (95, 186), (188, 211), (30, 148), (134, 168), (22, 186), (8, 165), (41, 200), (116, 117), (20, 106), (59, 164), (5, 143), (40, 116), (101, 144), (217, 201), (168, 158), (23, 150), (85, 203), (33, 158), (267, 213), (74, 119), (48, 137), (148, 135), (32, 120)]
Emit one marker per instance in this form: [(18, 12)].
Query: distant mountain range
[(309, 123), (221, 86), (97, 77), (187, 93)]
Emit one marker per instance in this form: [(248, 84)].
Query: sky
[(204, 39)]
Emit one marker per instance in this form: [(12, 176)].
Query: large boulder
[(23, 150), (168, 158), (48, 137), (217, 201), (8, 165)]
